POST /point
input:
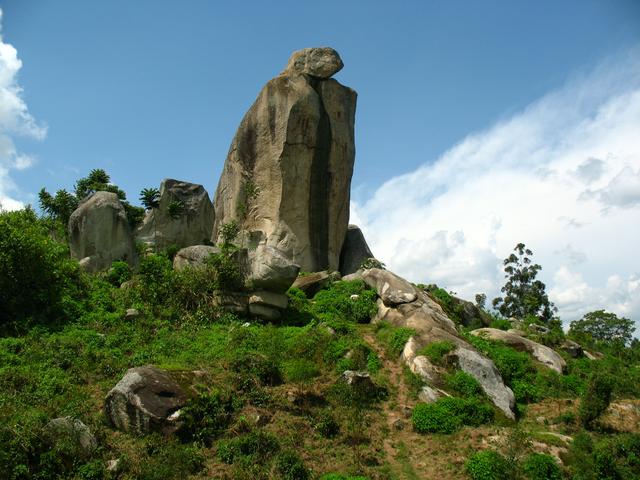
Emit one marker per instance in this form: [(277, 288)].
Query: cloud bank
[(562, 176), (15, 120)]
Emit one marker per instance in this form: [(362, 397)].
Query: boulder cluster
[(285, 183)]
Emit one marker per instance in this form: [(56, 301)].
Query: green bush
[(265, 370), (596, 398), (436, 351), (156, 279), (252, 447), (450, 413), (325, 424), (119, 273), (228, 276), (538, 466), (300, 370), (464, 384), (336, 301), (394, 338), (290, 466), (205, 417), (38, 283), (500, 324), (488, 465), (169, 460)]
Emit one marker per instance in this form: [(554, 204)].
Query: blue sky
[(155, 89)]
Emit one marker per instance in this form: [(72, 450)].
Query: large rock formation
[(188, 222), (403, 305), (287, 176), (99, 233), (354, 251)]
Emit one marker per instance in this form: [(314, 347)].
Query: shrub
[(205, 417), (325, 424), (155, 278), (501, 324), (252, 447), (265, 370), (119, 273), (434, 418), (437, 350), (37, 280), (300, 370), (596, 399), (538, 466), (339, 476), (228, 276), (488, 465), (290, 466), (337, 301), (464, 384), (449, 413), (395, 338)]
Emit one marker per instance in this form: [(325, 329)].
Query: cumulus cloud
[(15, 120), (562, 176)]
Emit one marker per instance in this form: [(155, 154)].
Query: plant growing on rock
[(175, 209), (523, 294)]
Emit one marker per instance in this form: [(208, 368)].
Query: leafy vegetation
[(450, 413), (523, 294)]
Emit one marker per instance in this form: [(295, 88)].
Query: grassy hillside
[(266, 399)]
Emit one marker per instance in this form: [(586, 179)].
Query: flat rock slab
[(543, 354)]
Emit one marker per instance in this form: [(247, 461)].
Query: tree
[(59, 207), (150, 199), (524, 295), (603, 327)]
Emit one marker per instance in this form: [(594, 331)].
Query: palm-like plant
[(150, 199)]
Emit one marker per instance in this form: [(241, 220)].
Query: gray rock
[(145, 400), (269, 299), (354, 251), (357, 275), (357, 379), (572, 348), (192, 226), (271, 269), (392, 289), (428, 394), (489, 378), (470, 314), (541, 353), (312, 283), (287, 177), (263, 311), (114, 466), (534, 327), (131, 314), (72, 431), (193, 256), (318, 62), (99, 233)]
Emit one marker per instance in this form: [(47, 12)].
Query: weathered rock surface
[(287, 176), (470, 314), (312, 283), (431, 324), (392, 289), (193, 256), (147, 399), (99, 233), (271, 269), (321, 62), (191, 225), (541, 353), (354, 251), (71, 431)]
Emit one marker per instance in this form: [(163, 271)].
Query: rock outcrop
[(354, 251), (72, 432), (287, 176), (99, 233), (541, 353), (403, 305), (193, 256), (147, 399), (183, 218)]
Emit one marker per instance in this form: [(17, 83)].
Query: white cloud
[(562, 176), (15, 120)]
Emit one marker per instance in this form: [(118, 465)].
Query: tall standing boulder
[(287, 176), (189, 222), (354, 251), (99, 233)]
